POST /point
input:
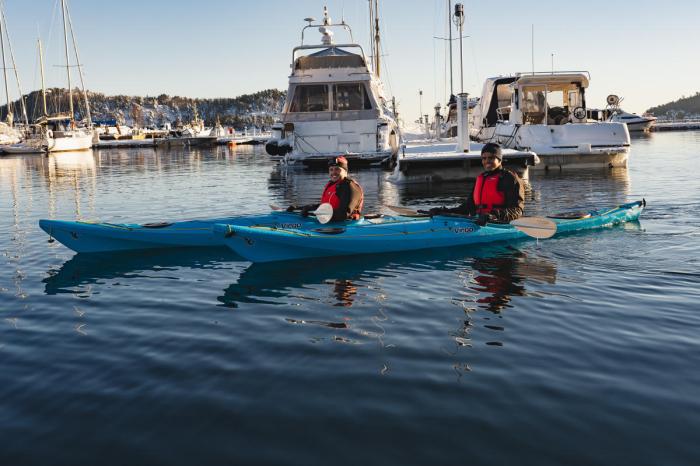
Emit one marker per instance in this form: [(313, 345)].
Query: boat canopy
[(555, 81), (332, 57), (496, 94)]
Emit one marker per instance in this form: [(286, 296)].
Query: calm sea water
[(583, 349)]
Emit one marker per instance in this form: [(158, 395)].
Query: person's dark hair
[(491, 148)]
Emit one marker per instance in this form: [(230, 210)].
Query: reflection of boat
[(71, 161), (103, 237), (86, 269), (391, 234), (546, 113), (335, 104)]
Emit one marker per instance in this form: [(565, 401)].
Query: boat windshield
[(310, 98), (350, 97)]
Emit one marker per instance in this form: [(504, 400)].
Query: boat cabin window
[(310, 98), (350, 97), (503, 95), (533, 106)]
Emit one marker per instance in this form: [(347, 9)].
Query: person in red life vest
[(498, 195), (343, 193)]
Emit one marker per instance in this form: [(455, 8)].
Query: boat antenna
[(65, 44), (552, 63), (459, 22), (532, 47)]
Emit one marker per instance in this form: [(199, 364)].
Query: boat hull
[(392, 234), (89, 237), (71, 143)]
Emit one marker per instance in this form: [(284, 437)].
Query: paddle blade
[(404, 211), (537, 227), (275, 207), (324, 213)]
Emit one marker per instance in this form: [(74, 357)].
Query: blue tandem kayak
[(390, 234), (104, 237)]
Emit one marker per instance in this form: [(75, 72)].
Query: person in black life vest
[(343, 193), (498, 195)]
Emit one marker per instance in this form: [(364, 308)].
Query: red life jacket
[(331, 196), (486, 194)]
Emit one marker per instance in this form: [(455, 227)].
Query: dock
[(124, 143), (677, 125), (436, 162)]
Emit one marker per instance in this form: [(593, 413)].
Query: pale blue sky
[(643, 50)]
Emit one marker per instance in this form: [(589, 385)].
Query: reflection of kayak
[(103, 237), (390, 234)]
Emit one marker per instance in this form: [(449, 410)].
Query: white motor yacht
[(633, 121), (546, 113), (335, 105)]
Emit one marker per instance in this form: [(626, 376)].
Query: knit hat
[(341, 162), (492, 148)]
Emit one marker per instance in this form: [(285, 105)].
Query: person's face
[(490, 161), (336, 173)]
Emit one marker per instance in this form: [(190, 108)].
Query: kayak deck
[(85, 237), (392, 234)]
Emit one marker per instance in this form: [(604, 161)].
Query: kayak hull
[(392, 234), (87, 237)]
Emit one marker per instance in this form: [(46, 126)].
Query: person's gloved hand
[(437, 210), (483, 219), (305, 210), (292, 208)]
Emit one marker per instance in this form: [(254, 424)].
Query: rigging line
[(14, 65), (80, 69)]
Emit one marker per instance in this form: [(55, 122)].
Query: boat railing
[(342, 25)]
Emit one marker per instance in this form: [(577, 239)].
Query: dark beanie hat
[(341, 162), (492, 148)]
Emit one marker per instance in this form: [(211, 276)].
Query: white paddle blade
[(324, 213), (275, 207), (402, 210), (537, 227)]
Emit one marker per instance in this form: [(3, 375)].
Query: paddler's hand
[(483, 219), (305, 210), (437, 211)]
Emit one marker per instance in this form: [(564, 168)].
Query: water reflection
[(495, 274), (497, 279), (80, 272)]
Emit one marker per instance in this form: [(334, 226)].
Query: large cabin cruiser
[(335, 105), (546, 113)]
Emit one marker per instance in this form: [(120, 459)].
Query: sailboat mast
[(43, 86), (80, 73), (4, 70), (376, 39), (449, 28), (65, 43)]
